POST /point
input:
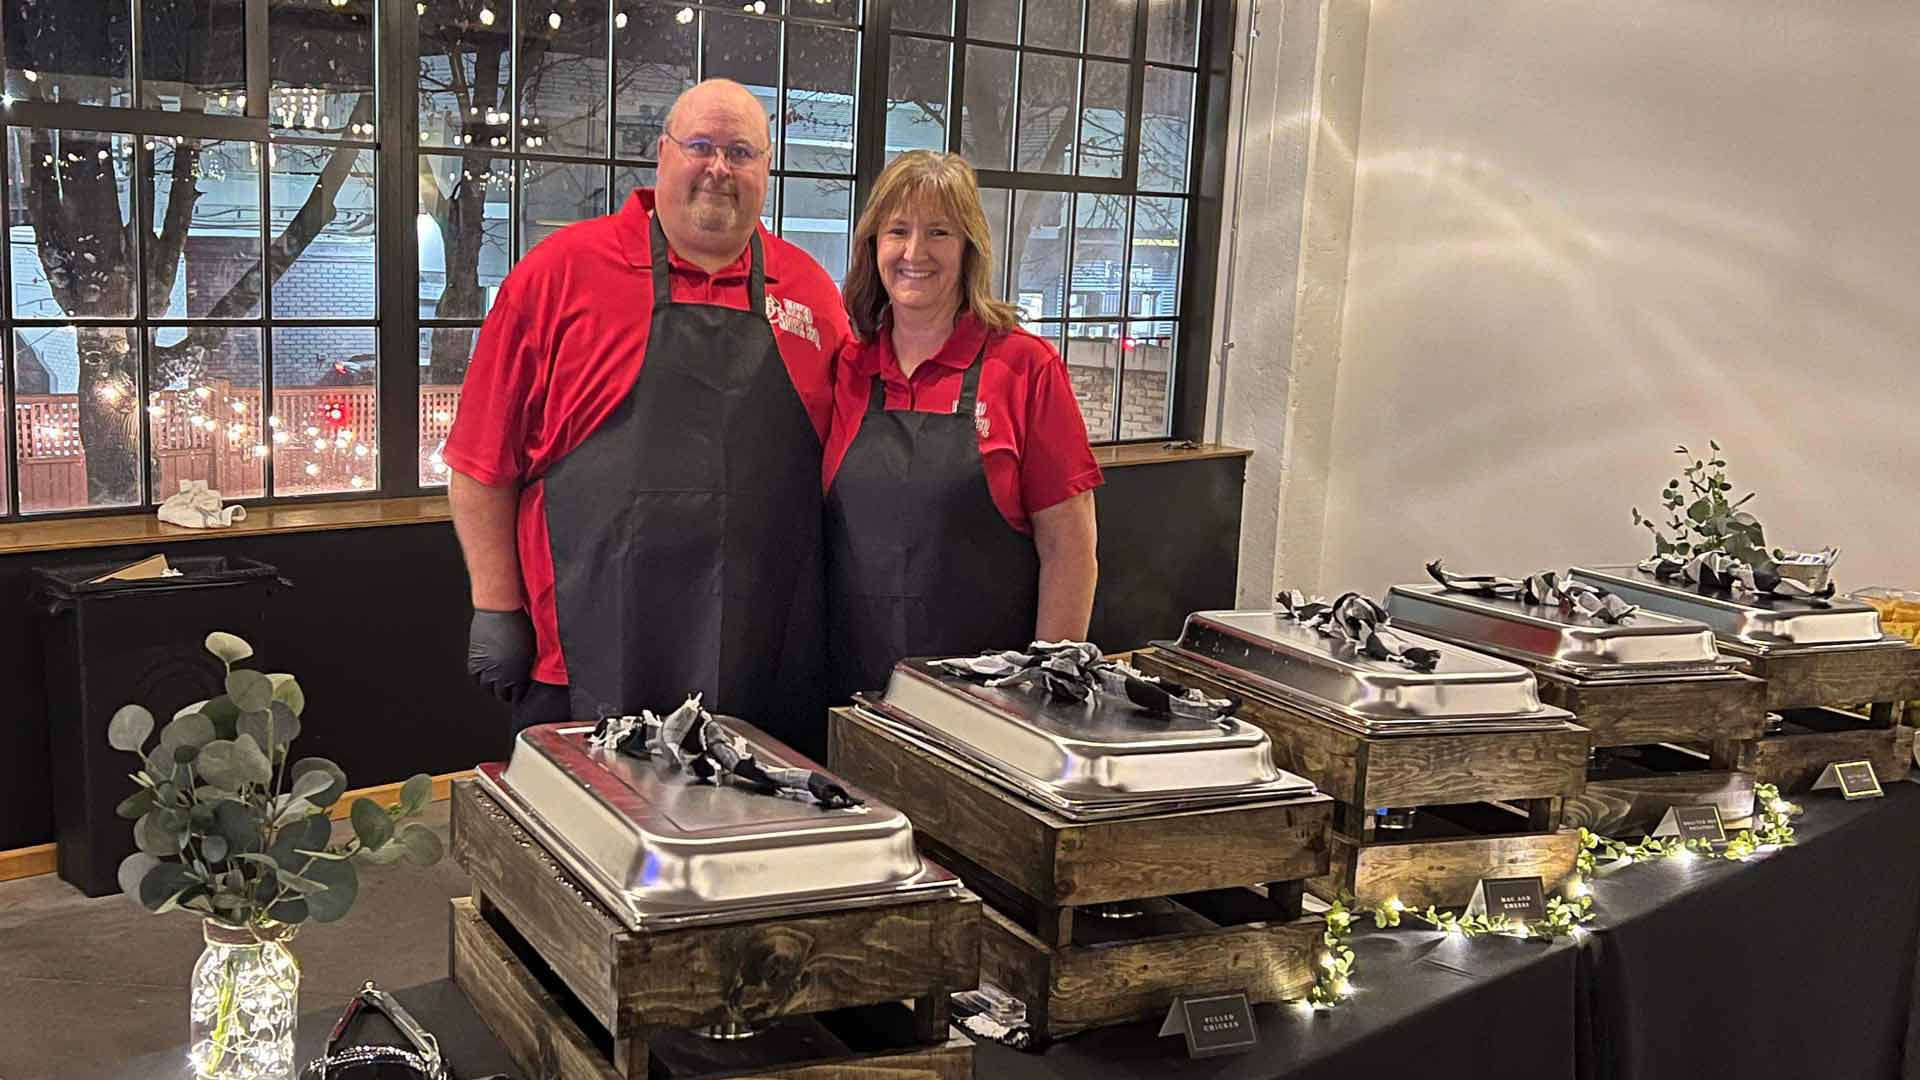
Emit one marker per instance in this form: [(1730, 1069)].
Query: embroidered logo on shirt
[(980, 422), (793, 317)]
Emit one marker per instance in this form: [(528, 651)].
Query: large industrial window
[(209, 274)]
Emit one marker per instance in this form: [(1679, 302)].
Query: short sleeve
[(1057, 462), (499, 399)]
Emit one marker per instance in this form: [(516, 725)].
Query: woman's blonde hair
[(946, 184)]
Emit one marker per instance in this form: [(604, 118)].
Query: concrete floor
[(87, 983)]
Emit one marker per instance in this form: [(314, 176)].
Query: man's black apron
[(686, 528), (920, 561)]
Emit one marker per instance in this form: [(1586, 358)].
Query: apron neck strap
[(969, 388), (663, 282)]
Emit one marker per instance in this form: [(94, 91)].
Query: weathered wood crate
[(574, 993), (1813, 691), (1487, 804), (1212, 896)]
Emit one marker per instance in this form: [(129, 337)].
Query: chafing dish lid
[(1747, 618), (1277, 653), (1554, 636)]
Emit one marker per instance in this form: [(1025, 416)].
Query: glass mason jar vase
[(246, 997)]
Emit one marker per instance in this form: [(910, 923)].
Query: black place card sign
[(1700, 822), (1521, 899), (1214, 1025), (1855, 779)]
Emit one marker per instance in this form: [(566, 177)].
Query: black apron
[(920, 561), (686, 529)]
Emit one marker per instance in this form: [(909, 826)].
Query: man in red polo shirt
[(636, 458)]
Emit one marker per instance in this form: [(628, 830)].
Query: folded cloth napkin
[(198, 507)]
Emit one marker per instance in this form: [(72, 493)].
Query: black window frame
[(397, 323)]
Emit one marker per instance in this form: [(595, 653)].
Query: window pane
[(1039, 256), (994, 202), (748, 52), (1153, 279), (1173, 31), (1093, 354), (71, 199), (918, 82), (1052, 24), (444, 352), (993, 20), (817, 215), (628, 180), (1099, 254), (461, 228), (325, 393), (1166, 119), (206, 261), (553, 195), (194, 56), (656, 51), (1110, 27), (820, 98), (1049, 86), (932, 16), (1146, 380), (76, 417), (332, 275), (1103, 123), (464, 66), (78, 53), (986, 134), (322, 67), (563, 77), (203, 407)]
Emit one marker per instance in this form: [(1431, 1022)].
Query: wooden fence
[(323, 439)]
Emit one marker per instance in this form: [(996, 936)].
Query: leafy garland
[(1566, 914)]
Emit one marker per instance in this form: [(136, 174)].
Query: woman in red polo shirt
[(959, 480)]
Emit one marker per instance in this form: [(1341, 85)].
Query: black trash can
[(121, 643)]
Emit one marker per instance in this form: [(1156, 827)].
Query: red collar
[(635, 223), (962, 346)]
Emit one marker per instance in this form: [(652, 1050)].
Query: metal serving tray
[(1753, 625), (1645, 644), (662, 849), (1264, 652), (1087, 761)]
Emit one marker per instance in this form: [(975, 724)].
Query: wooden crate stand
[(1221, 887), (574, 993), (1810, 689), (1490, 802)]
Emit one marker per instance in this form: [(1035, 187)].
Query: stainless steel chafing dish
[(1645, 644), (661, 848), (1103, 758), (1266, 652), (1750, 624)]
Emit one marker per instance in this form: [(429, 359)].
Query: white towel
[(197, 507)]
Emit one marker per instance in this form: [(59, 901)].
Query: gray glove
[(500, 653)]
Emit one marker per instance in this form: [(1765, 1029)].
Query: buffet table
[(1797, 964)]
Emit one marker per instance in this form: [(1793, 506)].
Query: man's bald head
[(712, 178)]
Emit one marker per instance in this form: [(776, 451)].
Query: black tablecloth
[(1426, 1006), (1798, 964)]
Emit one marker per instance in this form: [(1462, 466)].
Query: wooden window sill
[(1160, 453), (125, 529)]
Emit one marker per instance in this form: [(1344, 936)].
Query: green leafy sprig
[(231, 828), (1699, 516)]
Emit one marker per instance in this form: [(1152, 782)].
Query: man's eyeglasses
[(739, 155)]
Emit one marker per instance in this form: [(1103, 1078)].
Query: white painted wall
[(1586, 231)]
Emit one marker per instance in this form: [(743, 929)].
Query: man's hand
[(500, 652)]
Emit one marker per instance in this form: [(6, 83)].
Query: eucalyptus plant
[(229, 827), (1701, 518)]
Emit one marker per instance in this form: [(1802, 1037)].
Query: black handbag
[(422, 1061)]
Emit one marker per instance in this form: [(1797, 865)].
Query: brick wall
[(1144, 404)]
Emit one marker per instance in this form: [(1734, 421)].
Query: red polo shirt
[(565, 341), (1033, 442)]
